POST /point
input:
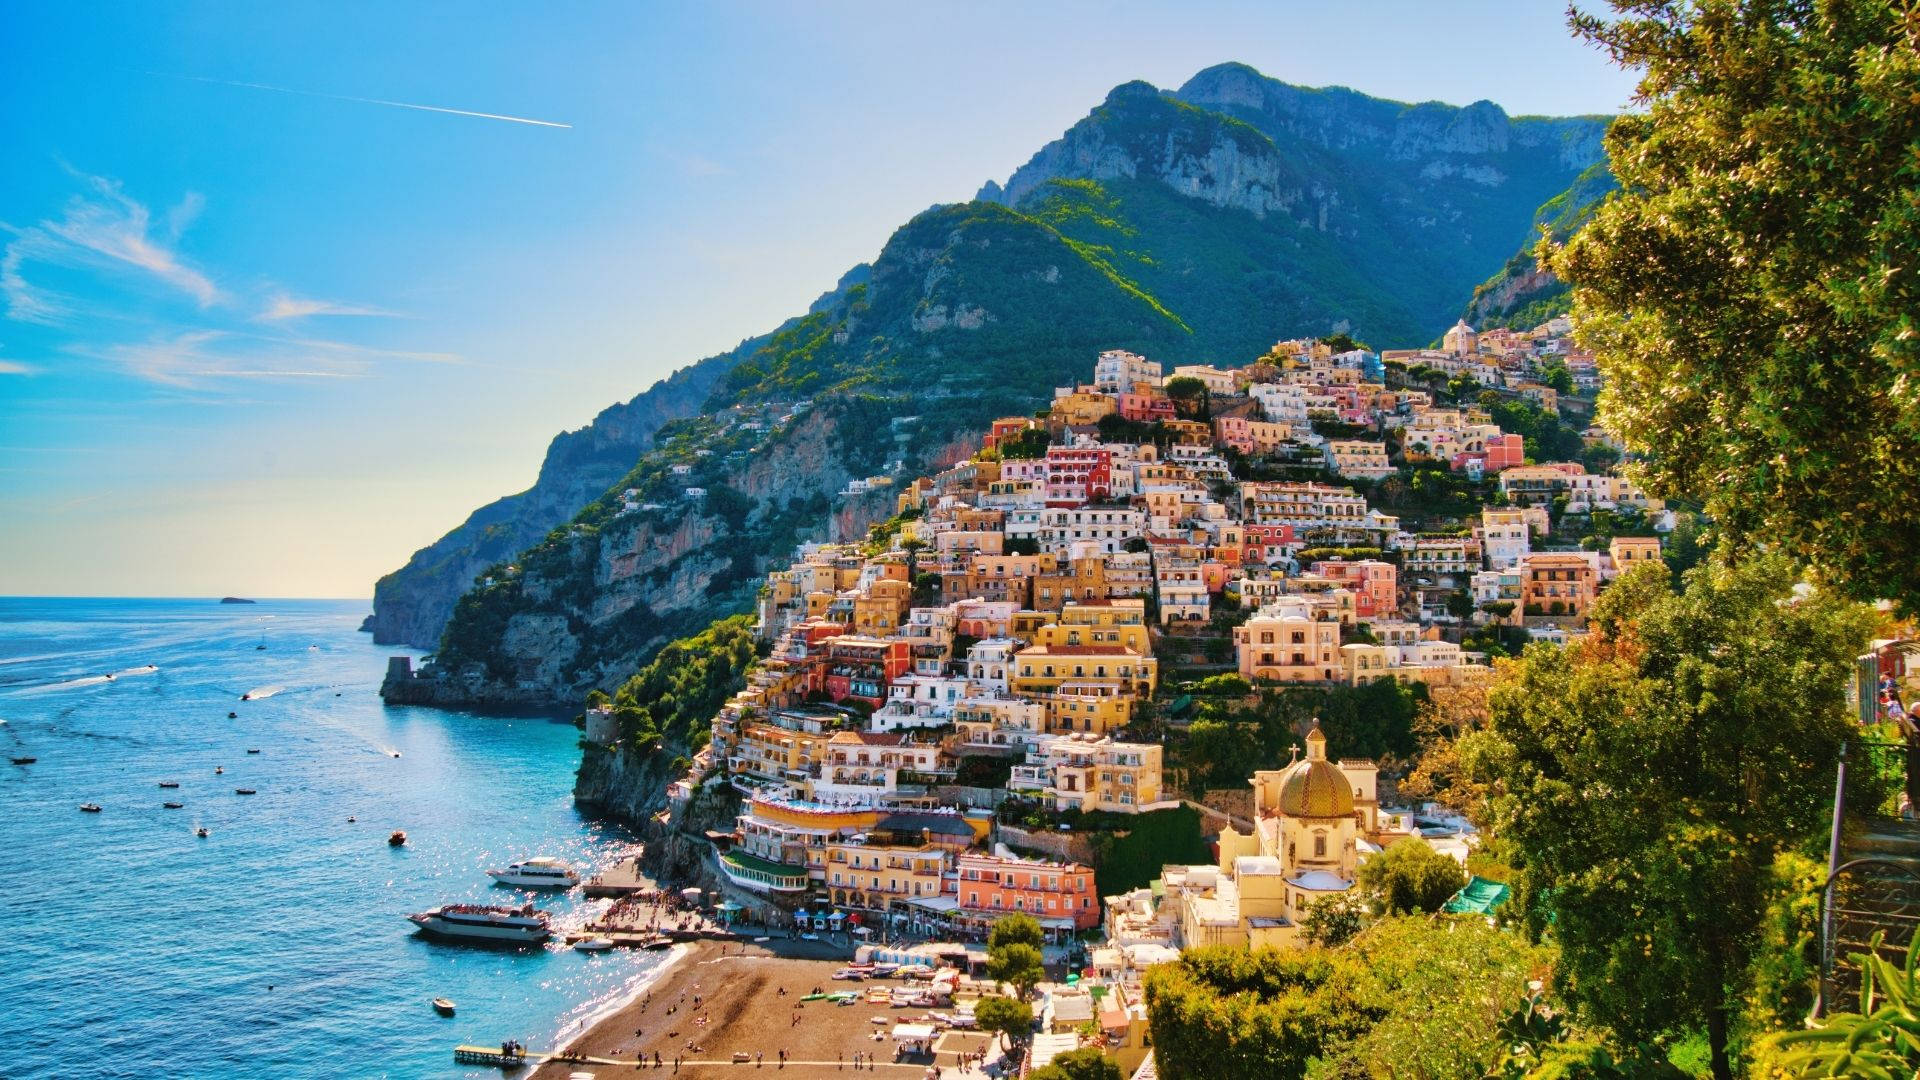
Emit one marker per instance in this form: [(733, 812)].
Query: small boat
[(593, 944), (393, 753), (173, 805), (244, 791), (24, 760), (89, 808), (218, 769), (656, 942), (398, 839), (233, 716), (351, 819), (169, 783), (253, 750), (262, 647), (201, 832), (443, 1006)]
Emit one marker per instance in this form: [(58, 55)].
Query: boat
[(173, 805), (443, 1006), (253, 750), (89, 808), (201, 832), (540, 872), (169, 783), (233, 716), (244, 791), (656, 942), (218, 769), (24, 760), (594, 944), (481, 922), (398, 838)]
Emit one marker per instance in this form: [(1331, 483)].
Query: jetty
[(621, 879), (467, 1054)]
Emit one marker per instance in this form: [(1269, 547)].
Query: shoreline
[(744, 997), (642, 985)]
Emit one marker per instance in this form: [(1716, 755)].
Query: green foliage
[(1750, 290), (1086, 1063), (1330, 921), (1882, 1040), (1409, 878), (673, 698), (1229, 739), (1004, 1015), (1406, 997), (1015, 929), (1030, 443), (1647, 778), (1018, 965), (1150, 841)]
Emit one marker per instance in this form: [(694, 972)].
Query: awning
[(912, 1032), (1479, 897)]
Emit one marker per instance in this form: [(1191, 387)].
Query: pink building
[(1146, 407), (1374, 584), (1075, 476), (1502, 452)]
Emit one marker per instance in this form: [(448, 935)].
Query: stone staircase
[(1875, 893)]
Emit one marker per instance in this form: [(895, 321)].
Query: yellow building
[(1087, 707), (1040, 669), (1081, 408), (881, 610), (1087, 772)]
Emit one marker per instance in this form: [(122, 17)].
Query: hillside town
[(935, 699)]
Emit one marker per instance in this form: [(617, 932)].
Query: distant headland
[(237, 600)]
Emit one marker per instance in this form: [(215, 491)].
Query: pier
[(622, 879)]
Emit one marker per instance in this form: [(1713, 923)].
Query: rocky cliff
[(412, 604)]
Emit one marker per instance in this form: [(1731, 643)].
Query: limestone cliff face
[(1197, 154), (601, 602), (412, 604)]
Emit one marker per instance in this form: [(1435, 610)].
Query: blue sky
[(269, 343)]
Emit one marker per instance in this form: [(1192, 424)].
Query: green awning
[(1479, 897)]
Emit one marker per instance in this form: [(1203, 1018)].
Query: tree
[(1013, 953), (1409, 878), (1086, 1063), (1646, 778), (1750, 290), (1019, 966), (1460, 604), (1331, 921), (1015, 929), (1004, 1016)]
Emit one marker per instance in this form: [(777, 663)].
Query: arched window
[(1319, 845)]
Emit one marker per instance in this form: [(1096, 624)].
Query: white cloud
[(195, 358), (283, 306), (102, 229)]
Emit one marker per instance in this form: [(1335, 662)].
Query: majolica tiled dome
[(1315, 787)]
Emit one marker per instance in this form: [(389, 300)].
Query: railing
[(1871, 903)]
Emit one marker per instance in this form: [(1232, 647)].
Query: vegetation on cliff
[(673, 698)]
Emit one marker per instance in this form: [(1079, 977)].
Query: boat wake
[(149, 669), (260, 693)]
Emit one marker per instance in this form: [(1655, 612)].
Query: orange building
[(1061, 895)]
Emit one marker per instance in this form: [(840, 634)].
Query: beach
[(723, 998)]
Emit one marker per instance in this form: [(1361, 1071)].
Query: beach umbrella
[(862, 931)]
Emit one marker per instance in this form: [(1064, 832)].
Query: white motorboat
[(594, 944), (480, 922), (542, 872)]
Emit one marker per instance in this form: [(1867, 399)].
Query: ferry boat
[(479, 922), (543, 872)]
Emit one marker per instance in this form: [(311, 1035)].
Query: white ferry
[(544, 872), (479, 922)]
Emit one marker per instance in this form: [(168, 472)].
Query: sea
[(277, 945)]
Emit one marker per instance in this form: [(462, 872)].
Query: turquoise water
[(276, 946)]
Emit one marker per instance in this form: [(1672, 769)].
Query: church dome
[(1315, 787)]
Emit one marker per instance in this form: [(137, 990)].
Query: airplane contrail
[(363, 100)]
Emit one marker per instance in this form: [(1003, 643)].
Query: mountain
[(1194, 226), (411, 605), (1523, 293)]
